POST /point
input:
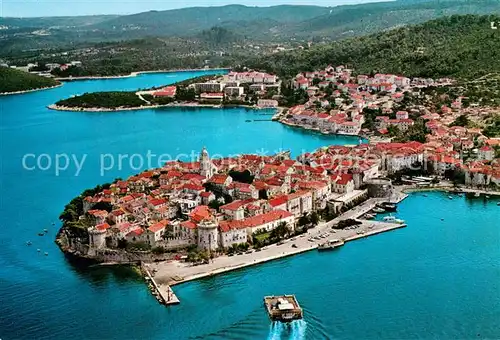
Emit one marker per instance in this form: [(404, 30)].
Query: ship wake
[(295, 330)]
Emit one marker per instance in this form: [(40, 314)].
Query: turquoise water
[(434, 279)]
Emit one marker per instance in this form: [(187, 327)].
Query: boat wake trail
[(276, 330), (298, 330), (295, 330)]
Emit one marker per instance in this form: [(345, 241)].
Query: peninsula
[(197, 215), (14, 81), (249, 89)]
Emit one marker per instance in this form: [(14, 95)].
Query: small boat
[(330, 244), (378, 210), (29, 243), (498, 204), (248, 120), (425, 195), (53, 223), (442, 219), (387, 206), (284, 308), (369, 216), (45, 231), (41, 234), (487, 196), (477, 194), (38, 250), (46, 254), (450, 197), (393, 219)]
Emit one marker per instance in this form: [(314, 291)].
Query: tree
[(314, 218), (303, 220), (280, 231), (461, 120)]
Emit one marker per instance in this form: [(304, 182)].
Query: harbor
[(171, 273)]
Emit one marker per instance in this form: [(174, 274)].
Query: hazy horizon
[(52, 8)]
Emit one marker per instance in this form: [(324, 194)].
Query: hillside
[(276, 24), (288, 21), (12, 80), (457, 46), (349, 21), (190, 21)]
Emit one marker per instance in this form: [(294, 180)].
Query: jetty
[(163, 293)]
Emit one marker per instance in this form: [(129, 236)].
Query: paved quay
[(169, 273)]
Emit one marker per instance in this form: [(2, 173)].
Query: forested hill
[(12, 80), (457, 46)]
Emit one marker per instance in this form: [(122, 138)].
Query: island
[(13, 81)]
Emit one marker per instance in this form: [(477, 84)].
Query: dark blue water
[(434, 279)]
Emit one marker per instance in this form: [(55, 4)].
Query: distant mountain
[(456, 46), (287, 21), (256, 24), (12, 80), (348, 21), (188, 21), (47, 22)]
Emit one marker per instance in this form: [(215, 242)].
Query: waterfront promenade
[(166, 274)]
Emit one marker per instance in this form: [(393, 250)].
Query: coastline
[(318, 130), (145, 107), (451, 189), (135, 74), (32, 90)]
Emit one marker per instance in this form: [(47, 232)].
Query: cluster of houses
[(337, 99), (236, 86), (174, 205)]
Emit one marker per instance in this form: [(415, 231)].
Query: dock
[(163, 293), (177, 272)]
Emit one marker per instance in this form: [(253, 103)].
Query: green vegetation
[(461, 120), (109, 100), (12, 80), (493, 127), (457, 46), (129, 99), (417, 132)]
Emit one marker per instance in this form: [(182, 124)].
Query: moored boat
[(387, 206), (378, 210), (393, 219), (330, 244)]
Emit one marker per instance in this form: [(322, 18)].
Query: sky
[(39, 8)]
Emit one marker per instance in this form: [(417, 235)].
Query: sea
[(437, 278)]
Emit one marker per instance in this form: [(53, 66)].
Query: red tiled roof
[(102, 226), (276, 202), (218, 179), (158, 226), (188, 224)]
